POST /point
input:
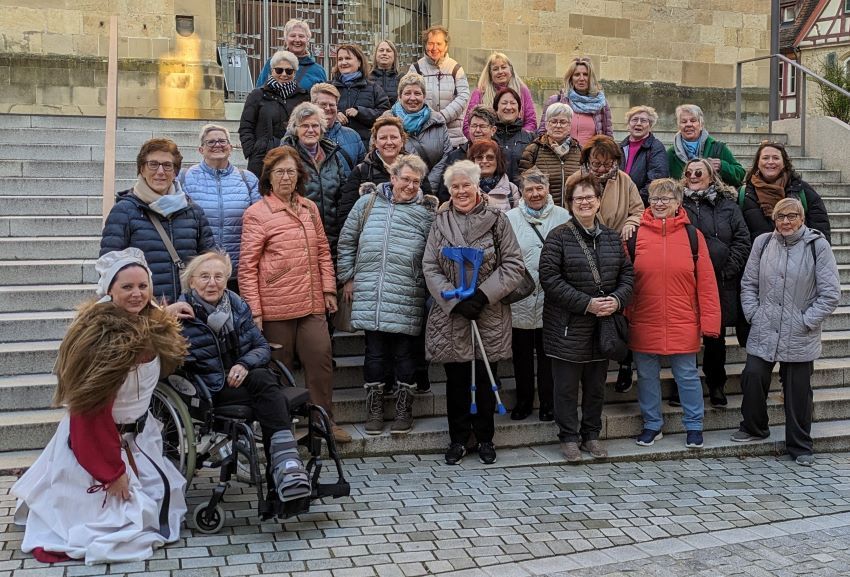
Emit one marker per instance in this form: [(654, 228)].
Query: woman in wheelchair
[(101, 490), (229, 354)]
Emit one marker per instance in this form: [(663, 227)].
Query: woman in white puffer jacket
[(531, 221)]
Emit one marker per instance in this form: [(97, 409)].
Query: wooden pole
[(111, 119)]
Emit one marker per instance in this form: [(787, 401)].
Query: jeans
[(523, 343), (567, 376), (384, 350), (649, 389)]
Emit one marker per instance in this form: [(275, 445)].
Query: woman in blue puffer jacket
[(223, 191), (380, 267)]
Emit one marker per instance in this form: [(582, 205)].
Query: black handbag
[(612, 334), (526, 284)]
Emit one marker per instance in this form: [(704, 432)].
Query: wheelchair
[(197, 434)]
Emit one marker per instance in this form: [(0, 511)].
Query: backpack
[(742, 194), (692, 239), (454, 73)]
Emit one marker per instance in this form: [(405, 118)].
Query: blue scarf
[(586, 104), (350, 77), (539, 215), (412, 121)]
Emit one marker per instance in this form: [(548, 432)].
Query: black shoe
[(624, 379), (717, 397), (520, 412), (455, 454), (423, 387), (487, 453), (674, 400), (546, 415)]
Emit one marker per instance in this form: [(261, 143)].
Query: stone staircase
[(50, 205)]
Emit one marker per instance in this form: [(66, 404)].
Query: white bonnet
[(109, 264)]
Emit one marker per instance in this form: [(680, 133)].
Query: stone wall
[(53, 58)]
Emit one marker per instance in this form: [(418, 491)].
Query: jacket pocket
[(277, 275)]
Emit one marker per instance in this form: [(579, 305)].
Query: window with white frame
[(790, 12), (792, 80)]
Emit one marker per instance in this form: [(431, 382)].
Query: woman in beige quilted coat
[(468, 221)]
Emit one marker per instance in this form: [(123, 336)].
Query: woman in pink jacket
[(499, 73), (286, 274)]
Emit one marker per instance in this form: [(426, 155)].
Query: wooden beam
[(111, 119)]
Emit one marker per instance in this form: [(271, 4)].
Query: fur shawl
[(103, 344)]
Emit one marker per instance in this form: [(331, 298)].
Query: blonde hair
[(392, 46), (593, 87), (650, 111), (207, 128), (200, 260), (786, 203), (323, 88), (485, 82), (667, 186)]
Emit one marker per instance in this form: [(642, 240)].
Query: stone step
[(839, 220), (840, 237), (50, 226), (836, 203), (24, 273), (40, 205), (34, 326), (98, 123), (77, 137), (55, 297), (94, 152), (75, 186), (46, 248), (748, 149), (63, 168), (667, 136), (22, 430)]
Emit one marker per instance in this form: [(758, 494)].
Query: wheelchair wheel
[(178, 430), (208, 520)]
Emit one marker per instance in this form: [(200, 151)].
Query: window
[(830, 59), (846, 5), (792, 80), (847, 67), (790, 12)]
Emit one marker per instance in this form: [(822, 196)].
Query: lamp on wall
[(185, 25)]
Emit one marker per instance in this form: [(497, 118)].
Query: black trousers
[(797, 386), (261, 391), (567, 376), (389, 350), (524, 344), (458, 399), (714, 362)]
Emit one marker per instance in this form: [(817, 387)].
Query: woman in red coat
[(675, 304)]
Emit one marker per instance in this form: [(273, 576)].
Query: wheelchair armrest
[(203, 390), (285, 373)]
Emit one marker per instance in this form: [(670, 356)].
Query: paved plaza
[(410, 516)]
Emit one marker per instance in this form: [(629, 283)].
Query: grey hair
[(484, 113), (559, 109), (207, 128), (533, 176), (411, 78), (650, 111), (196, 263), (785, 203), (296, 23), (465, 168), (284, 55), (412, 162), (661, 186), (691, 109), (304, 111)]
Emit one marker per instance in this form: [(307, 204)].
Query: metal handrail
[(801, 81)]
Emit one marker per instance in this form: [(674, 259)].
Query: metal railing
[(801, 92)]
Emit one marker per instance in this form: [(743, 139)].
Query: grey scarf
[(679, 148), (219, 316)]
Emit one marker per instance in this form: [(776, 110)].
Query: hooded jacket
[(540, 153), (816, 215), (383, 255), (129, 224), (786, 293), (224, 195), (286, 260), (447, 335), (446, 93), (369, 100), (650, 163), (673, 305)]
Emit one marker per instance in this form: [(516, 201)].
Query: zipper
[(387, 220), (220, 210)]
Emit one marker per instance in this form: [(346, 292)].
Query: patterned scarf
[(537, 215), (284, 90), (584, 104), (698, 196), (603, 180), (488, 183), (412, 121)]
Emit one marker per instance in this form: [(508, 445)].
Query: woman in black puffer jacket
[(385, 69), (510, 135), (361, 101), (571, 311), (711, 208), (267, 110), (772, 178)]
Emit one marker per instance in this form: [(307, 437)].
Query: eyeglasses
[(595, 165), (695, 173), (559, 122), (661, 199), (405, 181), (153, 165), (313, 127), (485, 158), (206, 278), (215, 143), (790, 217), (288, 71), (477, 126), (324, 105), (584, 199), (638, 120), (279, 173)]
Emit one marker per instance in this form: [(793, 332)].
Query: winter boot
[(374, 408), (403, 409), (290, 477)]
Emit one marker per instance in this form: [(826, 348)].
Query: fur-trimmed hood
[(103, 344)]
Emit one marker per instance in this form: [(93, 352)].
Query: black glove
[(472, 307)]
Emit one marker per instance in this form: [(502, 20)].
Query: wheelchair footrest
[(335, 490)]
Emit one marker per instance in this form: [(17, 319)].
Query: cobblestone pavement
[(410, 516)]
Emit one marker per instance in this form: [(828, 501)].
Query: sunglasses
[(695, 173), (288, 71)]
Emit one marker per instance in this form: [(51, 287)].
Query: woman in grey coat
[(380, 268), (790, 286), (467, 220)]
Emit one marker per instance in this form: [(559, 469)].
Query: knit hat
[(111, 263)]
